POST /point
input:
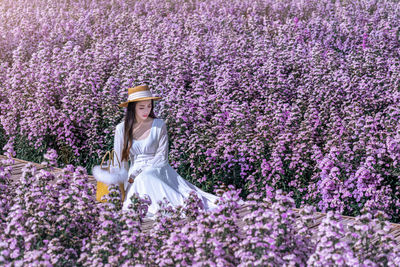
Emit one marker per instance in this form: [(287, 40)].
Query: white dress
[(156, 178)]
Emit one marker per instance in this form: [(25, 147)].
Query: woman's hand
[(131, 178), (133, 175)]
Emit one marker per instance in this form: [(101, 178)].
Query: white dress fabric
[(155, 176)]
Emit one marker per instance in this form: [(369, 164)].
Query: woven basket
[(102, 188)]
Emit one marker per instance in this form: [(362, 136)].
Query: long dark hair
[(130, 119)]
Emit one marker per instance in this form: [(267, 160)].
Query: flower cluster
[(273, 237), (48, 217), (53, 219), (50, 159)]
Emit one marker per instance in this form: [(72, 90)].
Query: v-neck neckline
[(151, 129)]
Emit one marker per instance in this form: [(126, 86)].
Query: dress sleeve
[(119, 146), (161, 155)]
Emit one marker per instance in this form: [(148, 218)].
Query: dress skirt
[(164, 181)]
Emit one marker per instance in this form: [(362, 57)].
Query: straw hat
[(138, 93)]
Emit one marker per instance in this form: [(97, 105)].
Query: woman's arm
[(161, 155), (119, 145), (114, 175)]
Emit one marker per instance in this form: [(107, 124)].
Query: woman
[(143, 139)]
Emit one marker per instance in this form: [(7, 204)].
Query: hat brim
[(125, 104)]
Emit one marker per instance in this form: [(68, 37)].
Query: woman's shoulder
[(160, 122), (120, 126), (157, 122)]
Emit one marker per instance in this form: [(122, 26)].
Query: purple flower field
[(55, 221), (297, 96)]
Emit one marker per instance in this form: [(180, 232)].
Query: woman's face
[(142, 110)]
